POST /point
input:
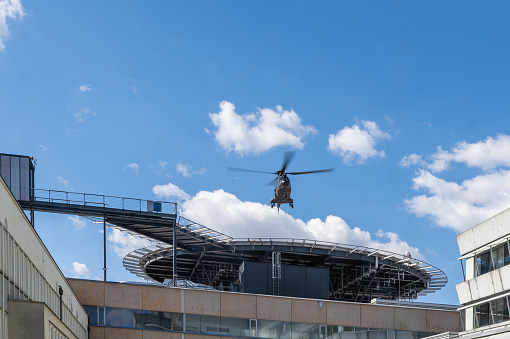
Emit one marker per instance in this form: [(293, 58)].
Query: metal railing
[(203, 231), (104, 201)]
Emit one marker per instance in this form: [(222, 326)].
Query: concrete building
[(37, 301), (486, 290), (119, 310)]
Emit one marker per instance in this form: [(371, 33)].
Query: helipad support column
[(104, 244), (174, 254)]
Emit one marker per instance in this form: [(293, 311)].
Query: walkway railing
[(104, 201)]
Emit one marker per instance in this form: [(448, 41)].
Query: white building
[(30, 280), (485, 292)]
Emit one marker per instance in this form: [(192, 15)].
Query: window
[(492, 312), (492, 259)]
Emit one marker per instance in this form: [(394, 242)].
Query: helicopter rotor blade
[(272, 182), (308, 172), (247, 170), (288, 158)]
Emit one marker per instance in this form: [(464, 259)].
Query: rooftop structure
[(204, 256), (201, 267)]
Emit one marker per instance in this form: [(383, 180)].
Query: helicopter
[(283, 187)]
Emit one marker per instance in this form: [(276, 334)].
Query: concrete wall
[(484, 233), (16, 229), (261, 307), (484, 286), (26, 320), (32, 320)]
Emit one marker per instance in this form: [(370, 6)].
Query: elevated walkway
[(153, 219)]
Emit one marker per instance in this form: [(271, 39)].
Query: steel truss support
[(366, 288), (206, 275)]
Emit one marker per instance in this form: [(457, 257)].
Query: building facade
[(485, 292), (30, 281), (121, 310)]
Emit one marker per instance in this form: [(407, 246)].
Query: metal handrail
[(105, 201)]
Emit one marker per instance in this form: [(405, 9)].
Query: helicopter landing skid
[(281, 202)]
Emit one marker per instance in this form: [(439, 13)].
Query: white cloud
[(412, 159), (134, 89), (356, 144), (83, 114), (169, 190), (225, 213), (258, 132), (77, 222), (63, 181), (86, 88), (460, 206), (122, 243), (184, 169), (12, 10), (187, 171), (80, 270), (44, 148), (487, 154), (134, 166)]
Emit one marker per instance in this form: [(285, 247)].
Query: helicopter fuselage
[(282, 192), (283, 188)]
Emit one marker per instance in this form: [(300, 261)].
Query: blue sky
[(406, 100)]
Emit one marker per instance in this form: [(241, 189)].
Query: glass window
[(101, 316), (499, 311), (305, 331), (93, 314), (483, 261), (24, 169), (119, 317), (154, 320), (206, 324), (15, 180), (237, 327), (5, 169), (274, 329), (482, 315)]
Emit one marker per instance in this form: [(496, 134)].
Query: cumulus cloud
[(122, 243), (63, 181), (12, 10), (80, 270), (258, 132), (486, 154), (357, 144), (168, 191), (83, 114), (134, 166), (460, 206), (86, 88), (187, 171), (225, 213), (77, 222)]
